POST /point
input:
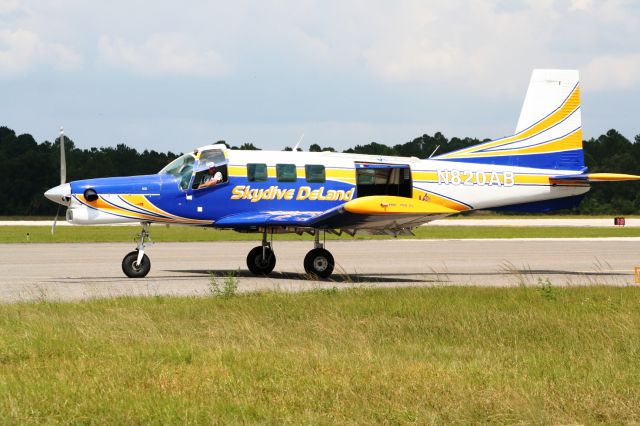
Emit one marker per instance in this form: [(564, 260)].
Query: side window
[(314, 173), (212, 156), (212, 169), (286, 172), (256, 172)]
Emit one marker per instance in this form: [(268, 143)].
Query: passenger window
[(286, 172), (257, 172), (314, 173)]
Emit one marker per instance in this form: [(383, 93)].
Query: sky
[(169, 75)]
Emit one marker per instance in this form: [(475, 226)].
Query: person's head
[(211, 168)]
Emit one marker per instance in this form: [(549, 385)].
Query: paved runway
[(77, 271)]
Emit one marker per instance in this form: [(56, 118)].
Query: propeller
[(63, 176)]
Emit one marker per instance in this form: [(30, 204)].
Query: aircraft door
[(383, 179), (211, 170)]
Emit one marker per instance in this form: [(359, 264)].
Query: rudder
[(549, 131)]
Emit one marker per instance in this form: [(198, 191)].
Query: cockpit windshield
[(181, 168)]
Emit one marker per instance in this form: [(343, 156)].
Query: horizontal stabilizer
[(592, 177)]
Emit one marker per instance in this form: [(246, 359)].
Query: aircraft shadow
[(336, 277), (434, 276), (536, 272)]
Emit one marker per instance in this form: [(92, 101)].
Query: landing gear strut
[(261, 260), (319, 262), (137, 264)]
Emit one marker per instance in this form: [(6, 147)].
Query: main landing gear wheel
[(261, 261), (132, 268), (319, 262)]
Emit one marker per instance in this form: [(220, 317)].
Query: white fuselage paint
[(477, 185)]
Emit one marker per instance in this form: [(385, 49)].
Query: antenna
[(434, 151), (295, 148)]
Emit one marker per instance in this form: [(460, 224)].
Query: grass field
[(161, 233), (437, 355)]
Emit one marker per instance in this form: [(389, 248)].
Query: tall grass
[(435, 355)]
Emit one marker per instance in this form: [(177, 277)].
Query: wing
[(373, 213)]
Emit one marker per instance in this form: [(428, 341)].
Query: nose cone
[(60, 194)]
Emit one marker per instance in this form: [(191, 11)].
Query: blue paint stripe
[(553, 160)]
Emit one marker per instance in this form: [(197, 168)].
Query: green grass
[(437, 355), (161, 233)]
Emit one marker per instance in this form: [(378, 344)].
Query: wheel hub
[(320, 263), (261, 261)]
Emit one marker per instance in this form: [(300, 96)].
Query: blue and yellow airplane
[(539, 168)]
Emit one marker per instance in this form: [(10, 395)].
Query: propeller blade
[(63, 160), (63, 176), (53, 227)]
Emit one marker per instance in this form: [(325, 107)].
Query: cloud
[(8, 6), (167, 53), (21, 50), (585, 5), (479, 47), (613, 72), (462, 47)]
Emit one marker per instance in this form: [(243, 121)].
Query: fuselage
[(256, 181)]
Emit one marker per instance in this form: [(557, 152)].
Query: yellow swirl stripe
[(570, 142), (420, 194), (567, 108), (105, 206)]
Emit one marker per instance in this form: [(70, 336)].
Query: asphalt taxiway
[(80, 271)]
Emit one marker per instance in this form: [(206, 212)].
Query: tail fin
[(549, 131)]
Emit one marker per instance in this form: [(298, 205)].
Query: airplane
[(539, 168)]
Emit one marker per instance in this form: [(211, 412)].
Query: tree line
[(29, 168)]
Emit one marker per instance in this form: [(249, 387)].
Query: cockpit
[(196, 170)]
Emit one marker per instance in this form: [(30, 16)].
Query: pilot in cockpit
[(211, 178)]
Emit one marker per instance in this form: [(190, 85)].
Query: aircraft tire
[(319, 263), (129, 265), (259, 266)]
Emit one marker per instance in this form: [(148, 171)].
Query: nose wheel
[(137, 264), (134, 269)]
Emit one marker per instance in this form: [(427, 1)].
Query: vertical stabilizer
[(548, 134), (547, 90)]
